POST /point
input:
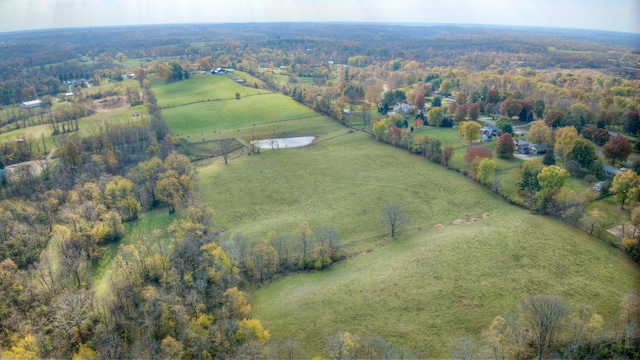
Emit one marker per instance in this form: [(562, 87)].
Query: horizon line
[(415, 24)]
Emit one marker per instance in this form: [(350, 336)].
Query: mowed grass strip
[(431, 287), (200, 118), (198, 88)]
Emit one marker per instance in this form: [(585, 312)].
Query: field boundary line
[(210, 100)]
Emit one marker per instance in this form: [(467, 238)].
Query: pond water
[(284, 143)]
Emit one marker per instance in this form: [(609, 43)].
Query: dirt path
[(109, 104)]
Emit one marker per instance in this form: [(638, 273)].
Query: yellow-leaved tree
[(470, 130)]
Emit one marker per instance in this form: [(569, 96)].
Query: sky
[(613, 15)]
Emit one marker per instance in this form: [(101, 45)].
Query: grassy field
[(553, 48), (431, 284), (436, 281), (336, 182), (199, 88), (198, 119), (439, 284)]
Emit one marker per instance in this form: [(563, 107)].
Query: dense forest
[(36, 63), (182, 300)]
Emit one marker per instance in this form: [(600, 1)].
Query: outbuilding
[(31, 104)]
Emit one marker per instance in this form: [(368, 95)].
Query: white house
[(403, 108)]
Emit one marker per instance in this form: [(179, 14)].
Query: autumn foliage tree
[(419, 100), (511, 107), (564, 137), (486, 171), (617, 148), (601, 136), (447, 154), (473, 111), (551, 179), (625, 184), (265, 260), (474, 155), (554, 118), (505, 147), (540, 133), (171, 188), (470, 130), (477, 151), (435, 115)]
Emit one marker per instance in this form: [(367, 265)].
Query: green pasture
[(200, 118), (199, 88), (429, 285), (249, 79), (447, 136), (434, 285), (342, 181), (311, 126), (553, 48), (436, 281)]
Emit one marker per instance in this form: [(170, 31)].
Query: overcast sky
[(615, 15)]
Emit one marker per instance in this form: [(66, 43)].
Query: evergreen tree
[(549, 158)]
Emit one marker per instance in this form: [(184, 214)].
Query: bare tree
[(289, 349), (72, 253), (72, 308), (254, 141), (366, 115), (393, 216), (630, 315), (544, 314), (464, 348), (225, 148)]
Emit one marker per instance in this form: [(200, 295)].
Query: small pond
[(284, 143)]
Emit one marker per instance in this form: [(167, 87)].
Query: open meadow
[(437, 281), (430, 287), (201, 88), (196, 119), (465, 257)]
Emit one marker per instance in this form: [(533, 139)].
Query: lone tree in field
[(393, 216), (225, 148), (544, 314)]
